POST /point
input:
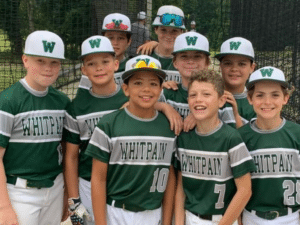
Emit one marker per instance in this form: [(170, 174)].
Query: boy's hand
[(78, 211), (230, 99), (170, 85), (189, 122), (8, 216), (147, 48), (175, 119)]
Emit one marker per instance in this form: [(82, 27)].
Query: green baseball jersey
[(85, 83), (244, 108), (31, 129), (177, 99), (82, 117), (276, 182), (168, 67), (209, 163), (139, 153)]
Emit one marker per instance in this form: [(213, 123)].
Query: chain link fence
[(272, 26)]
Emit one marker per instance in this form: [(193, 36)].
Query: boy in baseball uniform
[(273, 143), (32, 114), (117, 28), (236, 63), (133, 180), (99, 64), (214, 182)]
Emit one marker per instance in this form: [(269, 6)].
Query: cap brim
[(221, 55), (43, 56), (160, 73), (161, 25), (80, 57), (191, 49), (126, 31), (252, 83)]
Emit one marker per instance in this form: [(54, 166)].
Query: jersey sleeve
[(7, 120), (240, 159), (227, 116), (72, 132), (100, 144)]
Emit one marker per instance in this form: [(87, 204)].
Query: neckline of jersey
[(258, 130), (105, 96), (211, 132), (139, 118), (241, 95), (33, 91)]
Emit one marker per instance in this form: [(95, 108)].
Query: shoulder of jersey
[(12, 92), (59, 94)]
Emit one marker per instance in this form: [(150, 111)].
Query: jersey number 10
[(160, 180)]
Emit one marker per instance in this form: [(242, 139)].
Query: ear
[(175, 63), (82, 68), (25, 61), (222, 101), (116, 65), (155, 30), (125, 89), (252, 68), (249, 100), (286, 99)]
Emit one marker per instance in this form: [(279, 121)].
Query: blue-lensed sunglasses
[(167, 18)]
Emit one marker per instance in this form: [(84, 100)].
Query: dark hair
[(285, 91), (128, 34), (126, 81), (251, 60), (208, 76)]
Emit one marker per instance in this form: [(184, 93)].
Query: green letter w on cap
[(234, 45), (48, 46), (191, 40), (266, 72), (95, 42)]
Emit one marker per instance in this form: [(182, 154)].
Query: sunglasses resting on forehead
[(167, 18)]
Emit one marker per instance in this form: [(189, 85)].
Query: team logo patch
[(116, 25), (266, 72), (95, 43), (191, 40), (48, 46), (235, 45)]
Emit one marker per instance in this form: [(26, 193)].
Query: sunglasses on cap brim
[(166, 19)]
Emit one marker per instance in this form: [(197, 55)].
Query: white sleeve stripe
[(71, 130), (97, 129), (70, 117), (99, 146), (5, 134), (7, 114), (237, 147), (241, 161)]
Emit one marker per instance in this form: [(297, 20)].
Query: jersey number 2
[(160, 180), (289, 185)]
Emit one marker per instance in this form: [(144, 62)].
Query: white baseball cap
[(191, 41), (116, 22), (193, 23), (169, 16), (46, 44), (96, 44), (267, 73), (143, 63), (236, 46), (141, 15)]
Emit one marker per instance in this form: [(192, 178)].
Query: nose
[(267, 100)]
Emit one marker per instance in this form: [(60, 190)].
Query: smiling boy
[(32, 115), (133, 150)]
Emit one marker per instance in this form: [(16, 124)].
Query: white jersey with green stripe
[(244, 108), (167, 66), (139, 153), (209, 164), (177, 99), (276, 182), (82, 117), (31, 129)]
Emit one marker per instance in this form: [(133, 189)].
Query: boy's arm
[(239, 200), (7, 214), (170, 85), (173, 116), (168, 200), (98, 185), (230, 99), (179, 202), (147, 48)]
